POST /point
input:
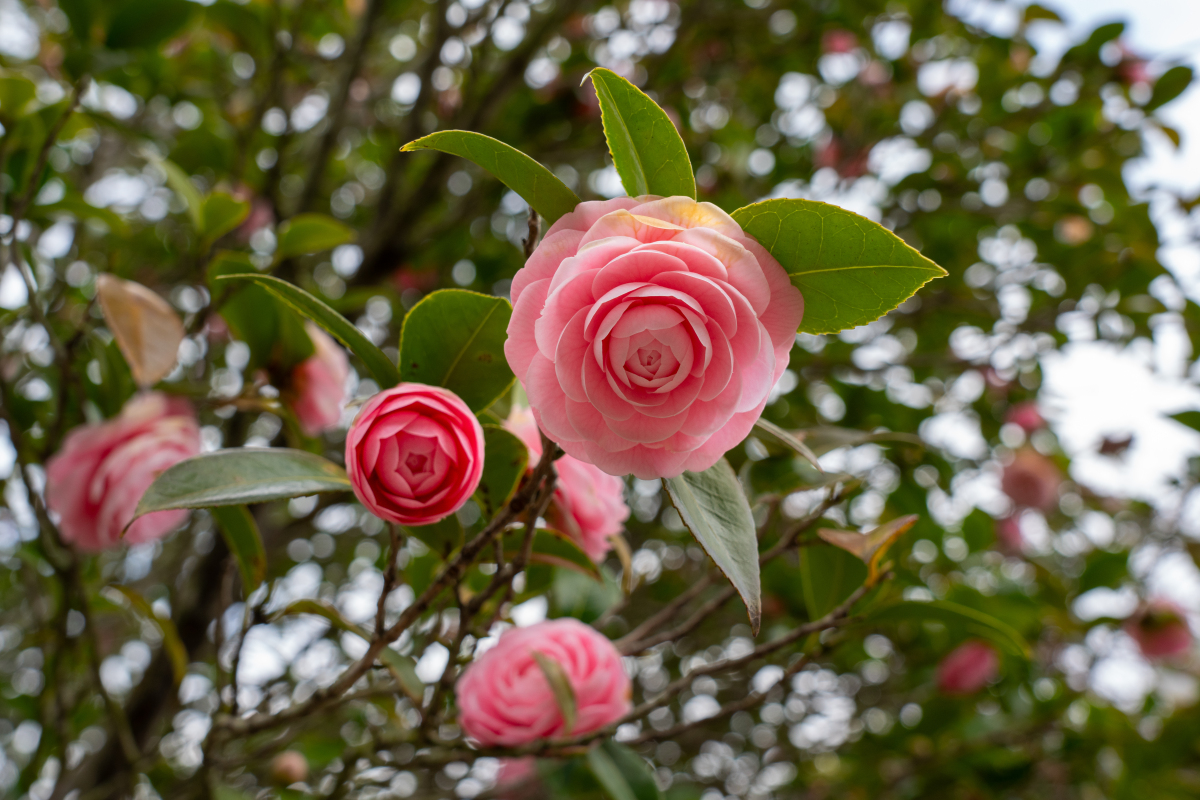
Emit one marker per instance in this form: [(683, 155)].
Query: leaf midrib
[(643, 186), (467, 345)]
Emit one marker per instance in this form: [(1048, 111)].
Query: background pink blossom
[(968, 668), (319, 384)]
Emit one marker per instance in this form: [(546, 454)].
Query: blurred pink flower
[(414, 454), (1031, 480), (838, 40), (1027, 416), (504, 699), (589, 505), (1008, 534), (96, 479), (319, 384), (1160, 628), (968, 668)]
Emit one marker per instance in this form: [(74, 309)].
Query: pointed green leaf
[(788, 439), (850, 270), (240, 476), (145, 23), (646, 149), (442, 537), (623, 773), (1169, 85), (377, 363), (969, 620), (172, 644), (455, 339), (310, 233), (182, 185), (245, 542), (539, 187), (221, 214), (404, 670), (504, 463), (828, 576), (554, 549), (714, 508), (1188, 418), (560, 687)]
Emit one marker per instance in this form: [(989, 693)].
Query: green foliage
[(146, 23), (553, 549), (504, 462), (829, 576), (244, 541), (311, 233), (622, 772), (967, 621)]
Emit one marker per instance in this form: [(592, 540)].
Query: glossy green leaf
[(220, 214), (538, 186), (646, 149), (146, 23), (240, 476), (455, 339), (1169, 85), (172, 644), (404, 670), (714, 508), (1102, 568), (15, 93), (850, 270), (560, 687), (245, 542), (623, 773), (377, 363), (970, 621), (504, 463), (182, 185), (553, 549), (271, 328), (442, 537), (310, 233), (1188, 418), (828, 576)]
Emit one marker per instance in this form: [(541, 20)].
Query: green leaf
[(455, 339), (310, 233), (240, 476), (221, 214), (1104, 569), (646, 149), (791, 441), (505, 459), (554, 549), (1035, 11), (714, 508), (1169, 85), (828, 576), (379, 365), (442, 537), (146, 23), (872, 547), (404, 670), (171, 642), (271, 328), (1188, 418), (972, 622), (850, 270), (623, 773), (245, 542), (560, 687), (182, 185), (538, 186), (15, 93)]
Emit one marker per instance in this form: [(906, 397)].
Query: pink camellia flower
[(1031, 480), (1027, 416), (1160, 628), (319, 384), (518, 778), (414, 454), (589, 505), (504, 698), (648, 333), (969, 667), (1008, 534), (838, 40), (96, 479)]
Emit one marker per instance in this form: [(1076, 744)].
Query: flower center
[(650, 359), (417, 463)]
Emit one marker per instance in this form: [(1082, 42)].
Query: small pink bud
[(289, 767), (1027, 416), (319, 384), (1161, 629), (838, 40), (969, 667)]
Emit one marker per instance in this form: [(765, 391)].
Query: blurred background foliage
[(1003, 166)]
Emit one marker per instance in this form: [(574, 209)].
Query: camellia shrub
[(287, 515)]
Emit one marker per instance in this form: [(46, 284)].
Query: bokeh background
[(1047, 156)]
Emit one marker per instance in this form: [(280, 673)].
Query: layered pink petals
[(648, 333), (414, 454), (95, 481), (589, 505), (319, 384), (504, 699)]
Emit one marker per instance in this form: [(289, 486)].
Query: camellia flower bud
[(319, 384), (95, 481), (1031, 480), (1027, 416), (414, 454), (1160, 628), (969, 667), (504, 698), (289, 767)]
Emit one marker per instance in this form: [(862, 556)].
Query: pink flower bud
[(414, 454), (1027, 416), (838, 40), (96, 479), (319, 384), (589, 505), (1160, 628), (1031, 480), (969, 667), (289, 767), (504, 698)]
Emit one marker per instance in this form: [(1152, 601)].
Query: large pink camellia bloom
[(504, 698), (94, 482), (648, 333), (969, 667), (414, 454), (319, 384), (589, 505)]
